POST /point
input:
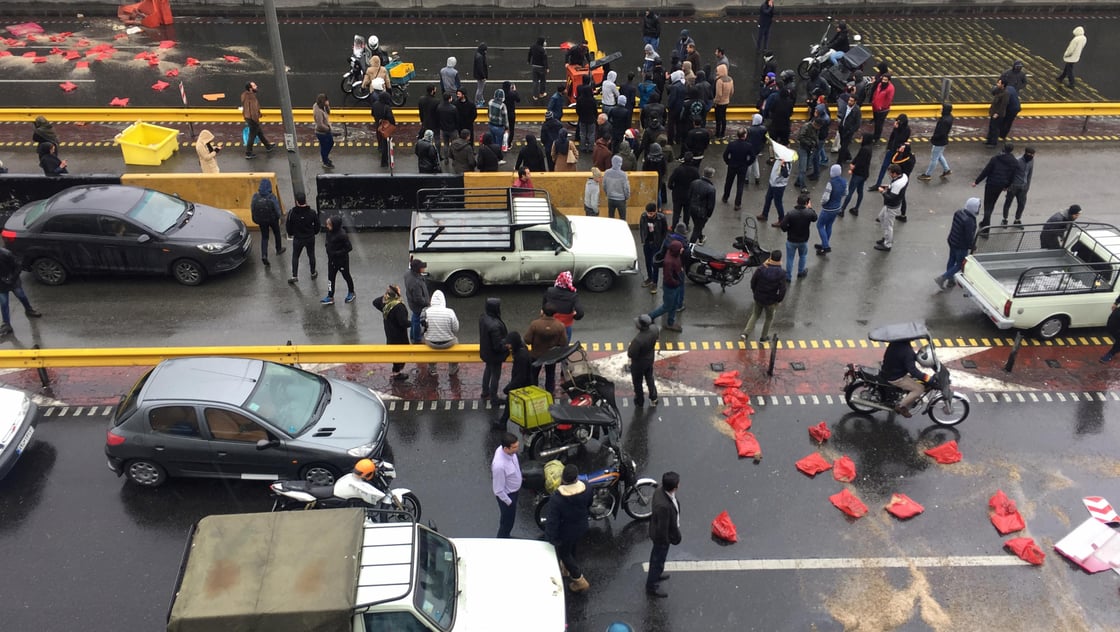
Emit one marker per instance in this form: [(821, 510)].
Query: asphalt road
[(98, 553)]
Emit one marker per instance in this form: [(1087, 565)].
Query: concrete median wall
[(566, 189), (230, 191)]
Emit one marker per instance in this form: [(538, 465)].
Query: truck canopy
[(274, 572), (475, 219)]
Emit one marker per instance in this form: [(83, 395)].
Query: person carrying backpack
[(265, 212)]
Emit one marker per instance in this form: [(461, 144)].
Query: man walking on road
[(996, 113), (416, 296), (961, 234), (1072, 55), (997, 175), (664, 531), (672, 284), (893, 195), (642, 351), (768, 286), (830, 207), (616, 186), (538, 64), (10, 282), (938, 141), (505, 473), (739, 156), (1019, 187), (481, 74), (302, 226), (251, 111), (701, 204), (652, 229), (796, 226), (265, 212)]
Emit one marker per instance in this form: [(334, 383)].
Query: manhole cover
[(968, 364), (797, 366), (1053, 364), (716, 366)]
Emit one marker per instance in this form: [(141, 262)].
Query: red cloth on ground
[(814, 464), (724, 529), (945, 453), (903, 507), (739, 420), (847, 502), (844, 469), (747, 444), (1004, 515), (1026, 549), (820, 432)]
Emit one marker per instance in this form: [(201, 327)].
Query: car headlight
[(212, 247), (361, 451)]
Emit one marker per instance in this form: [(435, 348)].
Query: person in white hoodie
[(1072, 54), (617, 188), (591, 193), (610, 92), (441, 328), (449, 77)]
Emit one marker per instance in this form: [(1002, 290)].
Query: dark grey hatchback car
[(240, 418), (116, 229)]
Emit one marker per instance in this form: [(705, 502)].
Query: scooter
[(384, 505), (726, 268), (866, 391)]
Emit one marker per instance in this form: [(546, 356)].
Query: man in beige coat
[(207, 152)]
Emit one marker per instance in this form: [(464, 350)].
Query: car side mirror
[(143, 239), (559, 249), (265, 444)]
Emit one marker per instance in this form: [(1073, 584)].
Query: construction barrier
[(566, 189), (376, 200), (229, 191)]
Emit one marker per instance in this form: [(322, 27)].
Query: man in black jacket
[(938, 142), (652, 229), (738, 156), (797, 225), (999, 173), (468, 113), (447, 116), (768, 287), (302, 226), (701, 204), (538, 62), (680, 181), (849, 126), (427, 108), (664, 531), (641, 352), (10, 282), (481, 74), (492, 349), (651, 29)]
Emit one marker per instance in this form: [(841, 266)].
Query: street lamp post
[(280, 71)]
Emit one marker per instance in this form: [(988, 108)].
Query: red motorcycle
[(706, 265)]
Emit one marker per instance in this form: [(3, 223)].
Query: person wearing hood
[(1020, 184), (681, 48), (591, 190), (520, 374), (705, 93), (302, 225), (938, 141), (532, 155), (569, 514), (564, 299), (381, 109), (207, 152), (601, 154), (701, 204), (609, 92), (900, 134), (831, 203), (44, 131), (651, 29), (564, 153), (646, 91), (674, 104), (449, 77), (756, 136), (626, 152), (447, 119), (1014, 106), (550, 133), (394, 316), (768, 288), (1015, 76), (338, 249), (650, 58), (859, 170), (441, 329), (672, 285), (616, 186), (512, 99), (468, 112), (619, 116), (587, 113), (492, 332), (724, 90), (498, 119), (655, 162), (376, 70), (265, 211), (427, 155), (416, 296), (321, 111), (765, 20), (680, 181), (997, 111), (1072, 55), (781, 112), (642, 353), (489, 155), (544, 334), (689, 74), (538, 64), (462, 153), (961, 235), (578, 56), (481, 74)]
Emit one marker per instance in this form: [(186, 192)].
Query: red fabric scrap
[(945, 453), (55, 50), (119, 102), (30, 54), (903, 507), (82, 65), (735, 398), (233, 59), (67, 87), (174, 72), (82, 43), (844, 469), (747, 444), (104, 56), (847, 502), (70, 55), (1004, 514), (191, 61), (121, 36), (39, 60), (814, 464), (27, 28), (724, 529), (1026, 549), (65, 34), (167, 44), (820, 432), (729, 378), (160, 86), (739, 421), (153, 61), (5, 53)]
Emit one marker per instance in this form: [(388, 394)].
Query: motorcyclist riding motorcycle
[(361, 53), (375, 49), (899, 368), (838, 44), (357, 483)]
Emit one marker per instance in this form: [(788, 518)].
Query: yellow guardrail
[(408, 114), (287, 354)]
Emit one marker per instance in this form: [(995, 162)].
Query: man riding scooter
[(900, 369), (356, 484)]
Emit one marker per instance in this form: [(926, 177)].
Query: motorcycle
[(820, 57), (388, 505), (866, 391), (400, 73), (615, 485), (711, 266), (590, 412)]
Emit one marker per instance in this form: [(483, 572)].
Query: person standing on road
[(680, 182), (251, 111), (462, 153), (1112, 326), (724, 90), (587, 113), (489, 154), (468, 112), (756, 135), (381, 109), (807, 140), (961, 234), (427, 110), (505, 475), (302, 225), (1014, 106), (655, 161), (10, 282), (532, 156), (651, 29), (449, 77), (849, 126), (395, 319), (938, 141), (481, 74), (859, 170), (768, 286), (207, 152), (1015, 76), (652, 229), (831, 202), (664, 531), (322, 113), (520, 374), (739, 156), (550, 132), (882, 96), (997, 176), (427, 155), (591, 193), (701, 204), (609, 92), (900, 134), (441, 329), (672, 284), (538, 64), (564, 299), (1020, 184), (338, 249), (416, 296), (498, 119), (264, 209), (997, 110), (616, 186), (642, 352), (569, 515), (796, 226), (447, 120), (779, 179), (544, 334), (1072, 55), (512, 99), (765, 21), (893, 196), (492, 334)]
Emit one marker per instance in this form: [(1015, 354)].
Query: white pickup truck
[(1020, 284), (332, 570), (472, 237)]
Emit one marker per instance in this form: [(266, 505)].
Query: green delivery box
[(528, 407)]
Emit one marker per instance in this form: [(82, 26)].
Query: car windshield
[(34, 212), (158, 212), (436, 579), (289, 399), (562, 228)]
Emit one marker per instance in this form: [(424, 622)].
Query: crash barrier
[(17, 189), (566, 189), (230, 191), (377, 200)]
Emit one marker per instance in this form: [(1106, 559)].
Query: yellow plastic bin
[(528, 407), (147, 144)]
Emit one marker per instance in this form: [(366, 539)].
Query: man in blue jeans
[(796, 225), (830, 208), (672, 283), (417, 297), (10, 282), (961, 234)]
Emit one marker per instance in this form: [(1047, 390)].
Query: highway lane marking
[(837, 563)]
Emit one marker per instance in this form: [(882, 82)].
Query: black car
[(119, 229)]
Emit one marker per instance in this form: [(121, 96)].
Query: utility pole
[(280, 72)]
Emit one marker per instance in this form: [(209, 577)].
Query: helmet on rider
[(365, 469), (373, 42), (925, 357)]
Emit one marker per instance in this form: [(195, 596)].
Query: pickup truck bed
[(1007, 267)]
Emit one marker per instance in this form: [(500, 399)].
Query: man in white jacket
[(441, 327), (1072, 54)]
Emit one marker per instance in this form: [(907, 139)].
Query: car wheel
[(188, 272), (1051, 328), (145, 473), (464, 284), (49, 271), (319, 475), (598, 280)]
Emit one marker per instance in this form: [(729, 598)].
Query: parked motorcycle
[(706, 265), (866, 391), (590, 412), (385, 505)]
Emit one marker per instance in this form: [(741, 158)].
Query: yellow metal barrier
[(565, 189), (287, 354), (230, 191)]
